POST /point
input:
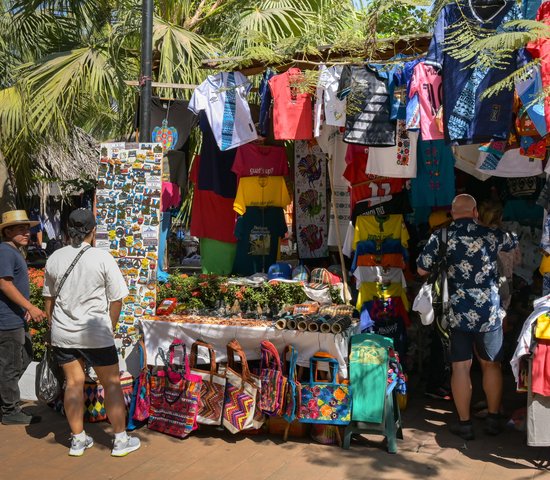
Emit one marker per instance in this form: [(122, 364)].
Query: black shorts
[(94, 357), (488, 345)]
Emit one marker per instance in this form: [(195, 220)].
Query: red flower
[(195, 293), (203, 284)]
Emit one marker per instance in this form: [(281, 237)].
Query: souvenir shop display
[(128, 205)]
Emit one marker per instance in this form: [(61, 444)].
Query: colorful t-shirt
[(261, 192), (426, 82), (259, 232), (380, 228), (223, 98), (510, 164), (467, 117), (368, 108), (398, 161), (254, 160), (373, 290), (292, 109)]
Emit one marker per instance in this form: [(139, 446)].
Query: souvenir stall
[(362, 161)]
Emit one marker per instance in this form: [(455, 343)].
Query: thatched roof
[(77, 158)]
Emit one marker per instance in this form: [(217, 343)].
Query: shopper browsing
[(84, 289)]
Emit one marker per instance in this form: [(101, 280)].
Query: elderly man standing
[(475, 315), (15, 310)]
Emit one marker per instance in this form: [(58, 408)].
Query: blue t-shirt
[(468, 118), (434, 185), (265, 102), (14, 267), (258, 232)]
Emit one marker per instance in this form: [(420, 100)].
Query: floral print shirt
[(472, 273)]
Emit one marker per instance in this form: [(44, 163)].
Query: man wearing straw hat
[(15, 310)]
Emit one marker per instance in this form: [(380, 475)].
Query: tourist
[(15, 311), (84, 289), (475, 313)]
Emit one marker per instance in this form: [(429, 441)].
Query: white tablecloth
[(160, 334)]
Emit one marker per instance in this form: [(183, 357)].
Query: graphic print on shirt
[(310, 193), (260, 241), (229, 108), (165, 135)]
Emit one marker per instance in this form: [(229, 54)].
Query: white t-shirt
[(466, 158), (329, 109), (380, 275), (511, 164), (80, 316), (223, 98), (398, 161)]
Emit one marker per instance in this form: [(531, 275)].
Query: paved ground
[(428, 451)]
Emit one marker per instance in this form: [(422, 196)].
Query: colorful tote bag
[(175, 396), (212, 389), (142, 388), (241, 392), (94, 397), (272, 396), (293, 387), (325, 401)]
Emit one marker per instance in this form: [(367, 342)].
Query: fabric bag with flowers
[(325, 400)]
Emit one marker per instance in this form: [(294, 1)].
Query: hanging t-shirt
[(331, 141), (380, 228), (254, 160), (388, 260), (529, 90), (467, 117), (292, 109), (259, 232), (329, 109), (265, 103), (373, 290), (426, 83), (215, 168), (466, 158), (223, 98), (171, 122), (217, 257), (510, 164), (398, 161), (434, 184), (380, 275), (261, 192), (212, 216), (391, 204), (368, 107)]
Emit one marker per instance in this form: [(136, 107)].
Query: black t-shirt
[(399, 204), (368, 107), (171, 122)]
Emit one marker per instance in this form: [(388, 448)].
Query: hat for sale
[(321, 277), (81, 222), (279, 270), (300, 273)]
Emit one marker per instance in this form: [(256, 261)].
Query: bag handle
[(234, 348), (178, 344), (270, 356), (70, 269), (211, 354), (313, 370), (289, 349), (142, 355)]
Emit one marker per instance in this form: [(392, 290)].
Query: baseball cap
[(81, 222), (300, 273), (279, 270), (321, 277)]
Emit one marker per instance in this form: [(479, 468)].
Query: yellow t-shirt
[(380, 228), (371, 290), (261, 192)]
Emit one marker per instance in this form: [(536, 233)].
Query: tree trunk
[(7, 194)]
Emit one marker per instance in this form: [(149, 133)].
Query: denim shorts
[(488, 345), (94, 357)]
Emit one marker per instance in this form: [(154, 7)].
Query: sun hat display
[(279, 270), (16, 217)]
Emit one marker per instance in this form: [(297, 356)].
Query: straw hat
[(16, 217)]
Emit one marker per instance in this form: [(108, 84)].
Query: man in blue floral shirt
[(475, 314)]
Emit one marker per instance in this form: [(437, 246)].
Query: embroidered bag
[(293, 387), (175, 395), (325, 401), (273, 381), (212, 389), (143, 386), (240, 393), (94, 397)]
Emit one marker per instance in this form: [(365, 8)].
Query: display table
[(158, 333)]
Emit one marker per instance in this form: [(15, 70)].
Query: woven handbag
[(325, 401), (272, 396), (175, 395), (212, 389), (241, 392), (293, 387), (142, 387), (94, 397)]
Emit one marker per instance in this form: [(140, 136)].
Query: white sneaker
[(78, 446), (122, 448)]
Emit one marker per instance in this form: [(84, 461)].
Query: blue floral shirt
[(472, 273)]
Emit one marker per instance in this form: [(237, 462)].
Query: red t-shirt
[(255, 160), (212, 215), (292, 110), (365, 185)]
